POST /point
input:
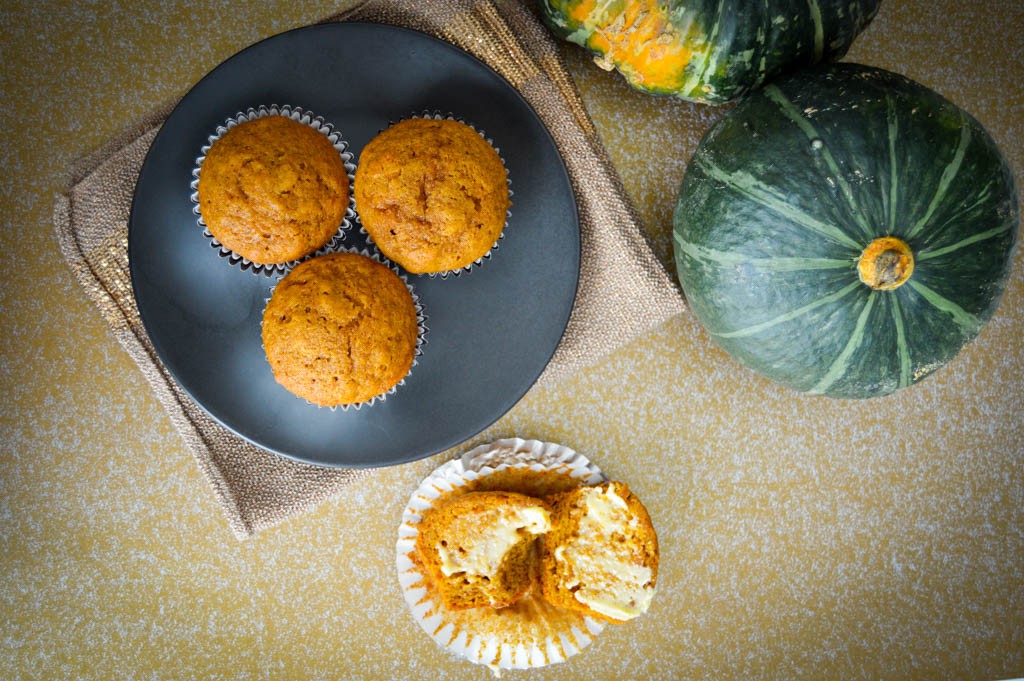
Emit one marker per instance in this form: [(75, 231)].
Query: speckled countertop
[(801, 537)]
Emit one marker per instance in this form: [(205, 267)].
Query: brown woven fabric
[(623, 289)]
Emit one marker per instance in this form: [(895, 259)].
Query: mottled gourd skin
[(710, 51), (787, 191)]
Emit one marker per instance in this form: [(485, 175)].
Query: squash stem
[(886, 263)]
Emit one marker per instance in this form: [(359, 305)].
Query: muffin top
[(273, 190), (340, 329), (432, 194)]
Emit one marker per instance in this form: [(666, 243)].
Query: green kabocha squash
[(845, 230), (710, 51)]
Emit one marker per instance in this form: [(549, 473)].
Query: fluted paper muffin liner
[(307, 118), (531, 632), (438, 116), (421, 328)]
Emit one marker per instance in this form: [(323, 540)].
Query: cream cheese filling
[(486, 540), (615, 586)]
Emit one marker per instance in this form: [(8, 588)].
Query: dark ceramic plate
[(492, 331)]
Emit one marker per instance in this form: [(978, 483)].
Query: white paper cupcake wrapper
[(421, 326), (483, 639), (302, 116), (438, 116)]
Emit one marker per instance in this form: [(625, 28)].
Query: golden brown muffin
[(273, 190), (340, 329), (432, 194), (601, 555), (479, 548)]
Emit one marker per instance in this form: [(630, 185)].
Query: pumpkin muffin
[(273, 190), (479, 487), (340, 329), (432, 194)]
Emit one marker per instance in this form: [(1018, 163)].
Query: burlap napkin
[(623, 289)]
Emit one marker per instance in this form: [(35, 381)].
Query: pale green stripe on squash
[(901, 343), (927, 254), (819, 30), (964, 213), (728, 258), (842, 363), (790, 111), (749, 186), (692, 85), (948, 175), (961, 317), (893, 127), (711, 63), (762, 39), (793, 314)]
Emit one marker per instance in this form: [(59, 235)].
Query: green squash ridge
[(749, 186), (790, 111), (791, 315), (766, 265), (697, 73), (949, 173), (760, 48), (938, 234), (928, 254), (839, 367), (902, 345), (968, 322), (893, 128)]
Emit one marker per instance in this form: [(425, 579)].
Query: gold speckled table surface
[(801, 537)]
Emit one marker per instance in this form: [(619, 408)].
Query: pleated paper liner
[(305, 117), (531, 632)]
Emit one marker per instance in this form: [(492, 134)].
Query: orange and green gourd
[(711, 51), (845, 231)]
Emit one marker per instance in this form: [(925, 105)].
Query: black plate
[(492, 331)]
